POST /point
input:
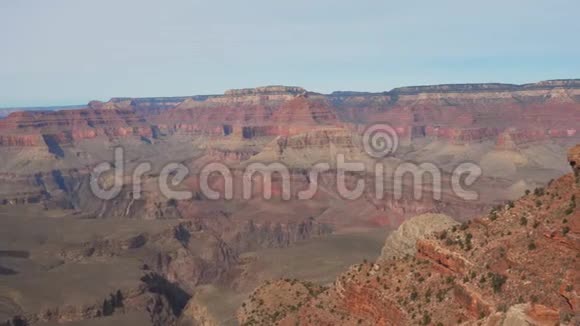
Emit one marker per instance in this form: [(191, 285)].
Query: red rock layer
[(459, 114)]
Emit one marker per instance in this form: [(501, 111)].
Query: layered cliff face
[(501, 127), (303, 150), (460, 113), (490, 271), (511, 116)]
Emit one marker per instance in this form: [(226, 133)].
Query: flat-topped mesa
[(267, 90), (570, 83), (455, 88), (247, 98), (110, 105), (488, 87), (473, 96), (128, 103)]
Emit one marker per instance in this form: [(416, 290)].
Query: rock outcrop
[(269, 304), (403, 241)]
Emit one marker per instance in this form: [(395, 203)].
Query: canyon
[(68, 256), (433, 271)]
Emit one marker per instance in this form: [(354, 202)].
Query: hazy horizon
[(57, 105), (66, 52)]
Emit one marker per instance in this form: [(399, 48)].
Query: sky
[(64, 52)]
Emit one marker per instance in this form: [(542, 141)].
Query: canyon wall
[(457, 113)]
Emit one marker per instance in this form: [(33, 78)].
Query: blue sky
[(70, 51)]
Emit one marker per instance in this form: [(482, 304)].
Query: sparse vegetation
[(497, 281), (468, 244), (426, 319), (440, 295), (565, 230), (571, 206), (502, 307)]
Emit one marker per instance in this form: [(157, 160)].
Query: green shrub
[(565, 230), (497, 281), (502, 307), (426, 319), (440, 295)]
